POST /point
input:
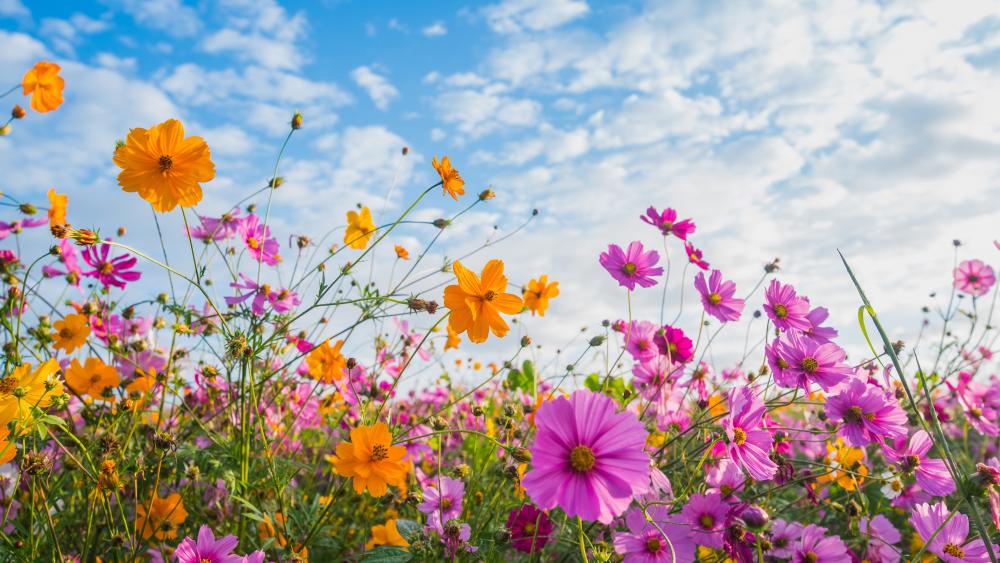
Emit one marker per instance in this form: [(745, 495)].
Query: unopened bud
[(28, 209), (18, 112), (487, 194), (297, 120)]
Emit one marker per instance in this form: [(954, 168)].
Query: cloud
[(13, 8), (379, 89), (173, 17), (436, 29), (65, 34), (479, 112), (512, 16)]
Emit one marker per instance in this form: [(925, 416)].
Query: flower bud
[(487, 194), (525, 341), (755, 517), (28, 209), (297, 120), (18, 112), (596, 341), (521, 455)]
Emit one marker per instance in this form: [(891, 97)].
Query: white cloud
[(511, 16), (13, 8), (111, 61), (65, 34), (436, 29), (171, 16), (378, 87), (479, 112)]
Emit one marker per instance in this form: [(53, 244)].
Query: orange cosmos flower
[(453, 339), (164, 517), (387, 534), (7, 448), (326, 363), (451, 180), (538, 293), (57, 207), (359, 228), (92, 377), (848, 463), (71, 332), (45, 85), (402, 253), (371, 460), (476, 304), (163, 167)]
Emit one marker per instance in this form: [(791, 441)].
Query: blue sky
[(785, 129)]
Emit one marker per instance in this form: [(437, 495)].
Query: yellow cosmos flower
[(848, 463), (45, 85), (7, 448), (326, 363), (371, 460), (451, 180), (24, 389), (387, 534), (537, 294), (71, 332), (57, 207), (163, 167), (476, 303), (92, 377), (359, 229)]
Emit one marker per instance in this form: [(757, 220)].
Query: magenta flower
[(643, 543), (979, 403), (109, 271), (282, 300), (726, 478), (801, 361), (717, 296), (210, 550), (530, 528), (15, 227), (258, 240), (949, 543), (932, 474), (707, 516), (695, 256), (633, 266), (223, 228), (587, 459), (818, 332), (816, 547), (640, 340), (674, 344), (650, 377), (974, 277), (68, 258), (749, 444), (784, 537), (667, 223), (867, 414), (442, 505), (882, 536), (786, 309)]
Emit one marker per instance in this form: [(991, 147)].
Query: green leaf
[(593, 382), (408, 529)]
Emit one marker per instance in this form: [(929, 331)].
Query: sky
[(783, 129)]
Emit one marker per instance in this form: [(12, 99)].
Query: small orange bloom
[(57, 207), (402, 253), (45, 85), (92, 377), (387, 534), (371, 460), (451, 180), (843, 459), (326, 363), (163, 167), (476, 304), (453, 339), (266, 529), (164, 517), (538, 293), (360, 228), (71, 332)]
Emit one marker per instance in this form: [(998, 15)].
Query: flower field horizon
[(391, 377)]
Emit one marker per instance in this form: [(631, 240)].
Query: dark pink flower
[(674, 344), (109, 271), (695, 256), (223, 228), (258, 240), (640, 341), (644, 542), (15, 227), (529, 527), (816, 547), (633, 266), (667, 222)]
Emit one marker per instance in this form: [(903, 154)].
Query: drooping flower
[(816, 547), (817, 331), (802, 361), (749, 444), (866, 413), (667, 222), (207, 549), (326, 363), (785, 308), (717, 297), (45, 85), (587, 459), (115, 271), (644, 543), (259, 243), (161, 517), (530, 528), (386, 534), (476, 302), (708, 516), (360, 228), (163, 167), (974, 277), (931, 474), (451, 180), (947, 537), (57, 207), (537, 294), (695, 256), (71, 333), (442, 501), (92, 377), (371, 460), (633, 266)]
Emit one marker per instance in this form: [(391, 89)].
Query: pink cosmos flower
[(530, 528), (786, 309), (816, 547), (258, 239), (818, 332), (749, 444), (412, 338), (949, 543), (442, 505), (223, 228), (726, 478), (708, 517), (784, 537), (109, 271), (281, 301), (15, 227), (867, 414), (695, 256), (717, 296), (979, 403), (802, 361), (674, 344), (653, 376), (587, 459), (68, 258), (667, 222), (633, 266), (932, 474), (882, 536), (210, 550), (640, 340), (643, 543), (974, 277)]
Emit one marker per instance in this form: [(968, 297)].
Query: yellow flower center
[(445, 503), (715, 299), (726, 490), (581, 459), (106, 268), (954, 550), (654, 545), (854, 414), (781, 363), (529, 528), (739, 436), (976, 412), (490, 295), (253, 243), (706, 521), (379, 452), (809, 365), (8, 384), (810, 557), (780, 311), (166, 163), (629, 268)]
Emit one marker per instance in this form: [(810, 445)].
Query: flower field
[(263, 409)]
